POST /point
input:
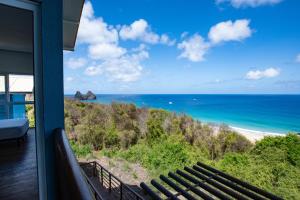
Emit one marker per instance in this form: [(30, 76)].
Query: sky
[(186, 47)]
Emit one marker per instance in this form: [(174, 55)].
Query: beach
[(254, 135)]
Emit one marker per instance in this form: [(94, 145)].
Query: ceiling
[(16, 35), (16, 29)]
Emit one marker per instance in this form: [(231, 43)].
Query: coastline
[(168, 103), (254, 135)]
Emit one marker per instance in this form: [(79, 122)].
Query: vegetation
[(29, 109), (162, 141)]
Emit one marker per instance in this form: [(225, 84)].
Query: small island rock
[(88, 96)]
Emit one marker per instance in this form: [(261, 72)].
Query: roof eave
[(71, 23)]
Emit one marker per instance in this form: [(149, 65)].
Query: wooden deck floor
[(18, 170)]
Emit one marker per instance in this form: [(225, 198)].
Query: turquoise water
[(272, 113)]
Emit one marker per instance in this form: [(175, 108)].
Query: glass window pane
[(2, 84), (2, 93), (20, 83)]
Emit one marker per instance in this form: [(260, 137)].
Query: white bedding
[(13, 128)]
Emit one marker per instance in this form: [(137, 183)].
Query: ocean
[(267, 113)]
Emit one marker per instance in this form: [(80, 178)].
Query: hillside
[(162, 141)]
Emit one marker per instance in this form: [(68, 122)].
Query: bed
[(13, 128)]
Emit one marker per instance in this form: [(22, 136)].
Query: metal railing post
[(101, 175), (121, 191), (94, 169), (109, 182)]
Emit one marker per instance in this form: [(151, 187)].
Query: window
[(20, 102), (2, 84), (20, 83)]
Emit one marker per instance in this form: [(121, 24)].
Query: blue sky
[(179, 46)]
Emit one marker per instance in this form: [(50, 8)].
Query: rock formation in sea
[(88, 96)]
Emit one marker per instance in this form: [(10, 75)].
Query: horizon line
[(190, 93)]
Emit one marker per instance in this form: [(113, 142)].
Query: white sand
[(253, 135)]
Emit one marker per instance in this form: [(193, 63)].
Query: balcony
[(18, 169)]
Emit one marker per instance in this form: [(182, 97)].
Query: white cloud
[(184, 34), (249, 3), (259, 74), (141, 30), (125, 69), (164, 39), (230, 31), (194, 48), (88, 11), (298, 58), (104, 51), (93, 70), (75, 63), (94, 30), (136, 30), (107, 56), (69, 79), (141, 47)]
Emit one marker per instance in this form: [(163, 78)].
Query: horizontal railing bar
[(177, 188), (163, 190), (206, 187), (228, 183), (216, 184), (189, 186), (240, 182), (150, 192), (4, 103)]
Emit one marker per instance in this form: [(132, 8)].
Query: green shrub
[(290, 144), (127, 138), (80, 150), (29, 109), (163, 155), (155, 124), (229, 141), (93, 136), (111, 139)]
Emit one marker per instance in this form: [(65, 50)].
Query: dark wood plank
[(18, 169)]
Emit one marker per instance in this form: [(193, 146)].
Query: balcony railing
[(115, 187), (71, 181)]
